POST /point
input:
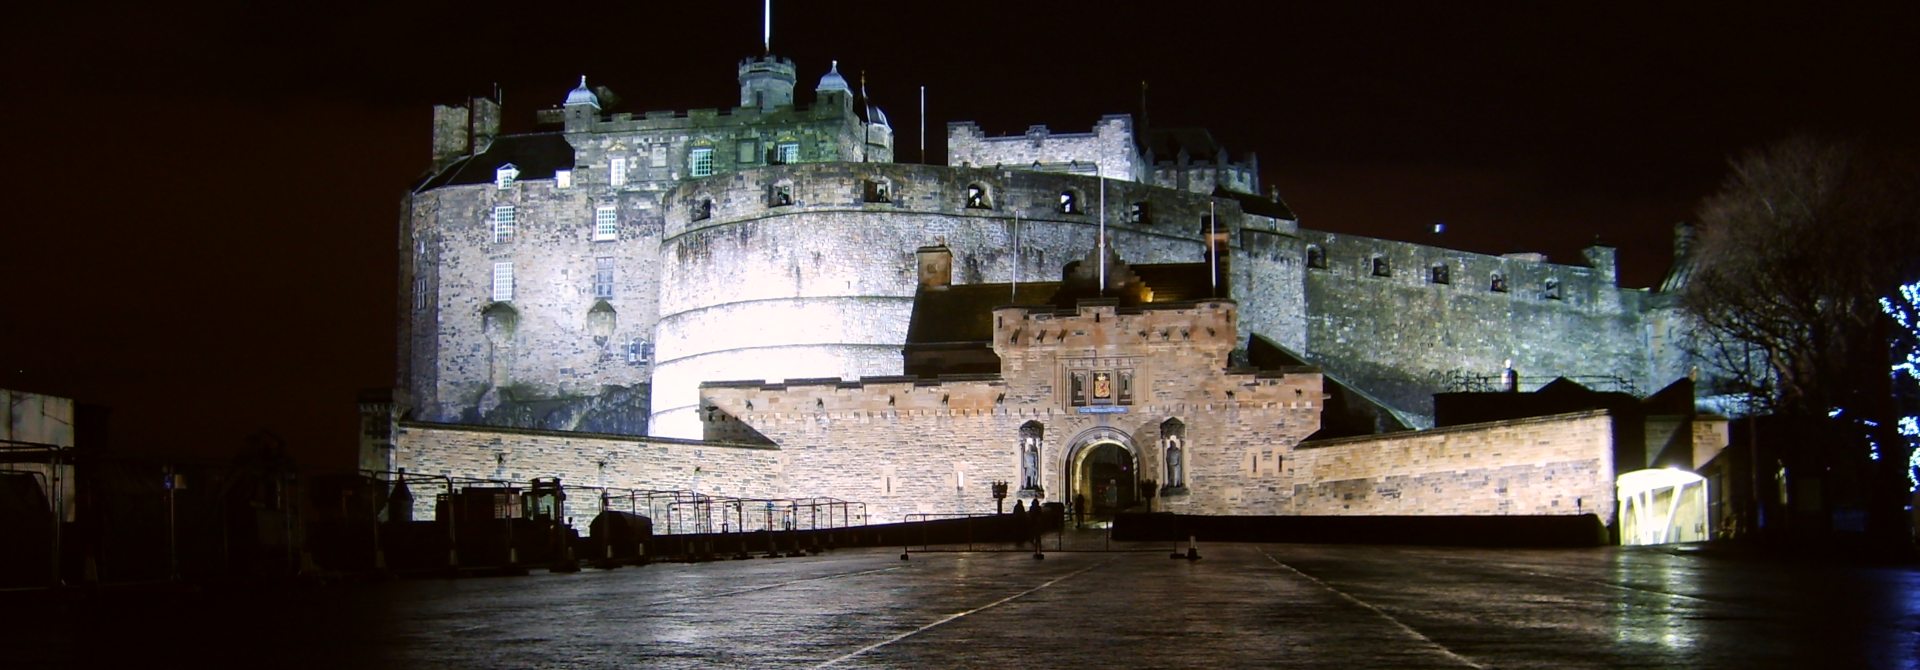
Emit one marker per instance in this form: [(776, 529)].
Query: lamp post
[(999, 497)]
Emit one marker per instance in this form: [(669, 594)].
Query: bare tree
[(1796, 253)]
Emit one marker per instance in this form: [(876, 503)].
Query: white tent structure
[(1662, 506)]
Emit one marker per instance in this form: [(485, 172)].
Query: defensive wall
[(561, 353), (1404, 321), (796, 271), (582, 459), (1552, 465), (1109, 145)]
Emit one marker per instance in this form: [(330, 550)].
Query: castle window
[(1070, 202), (700, 161), (603, 277), (702, 210), (786, 153), (747, 150), (504, 175), (502, 281), (877, 190), (1316, 257), (1381, 268), (1553, 289), (658, 158), (503, 223), (1498, 284), (781, 196), (617, 172), (978, 197), (606, 223), (1140, 214), (563, 179)]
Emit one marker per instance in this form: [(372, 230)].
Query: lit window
[(617, 173), (978, 198), (603, 277), (503, 221), (563, 179), (502, 281), (504, 175), (606, 224), (787, 152), (700, 161)]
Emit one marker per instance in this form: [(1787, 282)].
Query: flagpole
[(923, 122), (766, 28), (1213, 249), (866, 124), (1102, 179), (1013, 294)]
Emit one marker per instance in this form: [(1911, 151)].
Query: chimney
[(936, 266), (450, 134)]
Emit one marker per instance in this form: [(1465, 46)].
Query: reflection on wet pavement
[(1242, 605)]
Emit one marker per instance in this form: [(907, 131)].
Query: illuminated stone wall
[(823, 287), (1403, 337), (543, 364), (1552, 465), (1110, 145), (581, 460), (905, 446)]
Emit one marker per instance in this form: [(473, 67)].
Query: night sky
[(206, 197)]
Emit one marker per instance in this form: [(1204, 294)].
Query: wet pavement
[(1241, 605)]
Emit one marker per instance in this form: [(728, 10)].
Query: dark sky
[(206, 196)]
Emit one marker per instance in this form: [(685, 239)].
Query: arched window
[(978, 197), (1498, 284), (1030, 435), (1070, 202), (1316, 257), (1173, 442)]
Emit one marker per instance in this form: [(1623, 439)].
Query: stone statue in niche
[(1030, 463)]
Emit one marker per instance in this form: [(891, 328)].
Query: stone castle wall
[(1404, 337), (582, 460), (823, 286), (1110, 145), (1553, 465), (921, 446), (539, 346)]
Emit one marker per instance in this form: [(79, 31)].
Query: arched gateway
[(1102, 470)]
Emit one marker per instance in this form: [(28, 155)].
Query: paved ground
[(1242, 605)]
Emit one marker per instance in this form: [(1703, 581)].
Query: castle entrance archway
[(1102, 474)]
